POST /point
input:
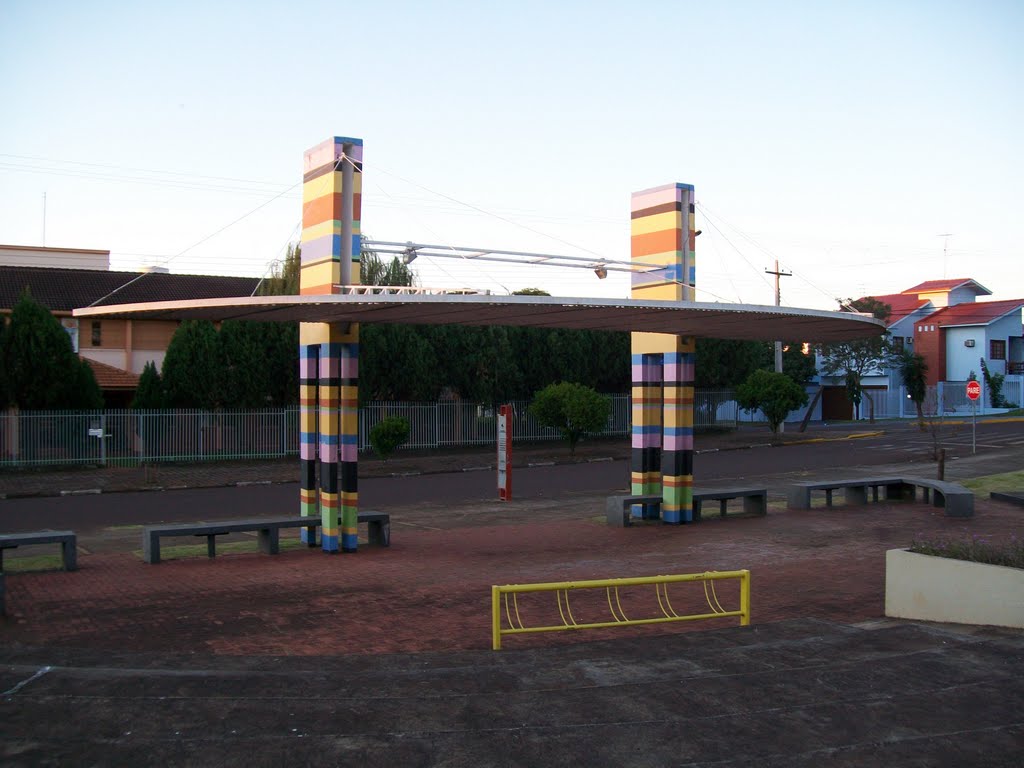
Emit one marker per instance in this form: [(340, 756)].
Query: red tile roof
[(974, 312), (109, 377), (901, 305), (61, 290), (935, 286)]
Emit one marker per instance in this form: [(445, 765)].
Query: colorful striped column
[(329, 352), (663, 234)]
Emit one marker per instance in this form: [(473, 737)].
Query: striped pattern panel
[(309, 367), (645, 475), (662, 233), (329, 354), (677, 440)]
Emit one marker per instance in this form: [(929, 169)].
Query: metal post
[(495, 619), (974, 426), (745, 598)]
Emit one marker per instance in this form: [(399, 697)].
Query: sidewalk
[(83, 480)]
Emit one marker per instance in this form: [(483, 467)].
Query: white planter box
[(931, 588)]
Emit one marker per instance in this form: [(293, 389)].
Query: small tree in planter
[(573, 409), (388, 434)]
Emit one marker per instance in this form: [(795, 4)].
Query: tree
[(149, 394), (191, 371), (573, 409), (994, 385), (774, 394), (284, 276), (388, 434), (852, 360), (244, 374), (84, 393), (374, 271), (913, 371), (726, 363), (40, 366), (530, 292), (800, 366)]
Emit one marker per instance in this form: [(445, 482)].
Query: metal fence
[(947, 398), (127, 437)]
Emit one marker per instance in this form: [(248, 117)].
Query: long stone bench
[(798, 495), (267, 532), (66, 539), (755, 500), (957, 500), (953, 497), (618, 509)]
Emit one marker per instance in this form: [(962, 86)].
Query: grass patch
[(975, 549), (28, 563), (1001, 482)]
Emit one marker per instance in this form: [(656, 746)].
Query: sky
[(867, 146)]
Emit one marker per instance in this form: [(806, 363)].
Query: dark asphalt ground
[(898, 446), (803, 692)]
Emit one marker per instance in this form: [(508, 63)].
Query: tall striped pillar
[(329, 352), (662, 233)]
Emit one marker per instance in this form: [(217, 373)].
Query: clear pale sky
[(842, 138)]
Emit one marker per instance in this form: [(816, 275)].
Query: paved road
[(1000, 448)]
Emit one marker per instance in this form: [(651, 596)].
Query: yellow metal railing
[(515, 626)]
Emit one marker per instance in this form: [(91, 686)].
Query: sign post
[(505, 453), (973, 393)]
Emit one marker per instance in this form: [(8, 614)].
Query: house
[(959, 331), (117, 350), (942, 321)]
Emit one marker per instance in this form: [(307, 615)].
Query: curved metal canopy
[(711, 320)]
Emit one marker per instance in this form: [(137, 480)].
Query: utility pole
[(778, 303), (44, 219)]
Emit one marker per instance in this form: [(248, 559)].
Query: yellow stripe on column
[(656, 223)]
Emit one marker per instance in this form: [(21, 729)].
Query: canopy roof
[(723, 321)]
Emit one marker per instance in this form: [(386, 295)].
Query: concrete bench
[(855, 490), (618, 509), (66, 539), (953, 497), (957, 500), (755, 500), (267, 532)]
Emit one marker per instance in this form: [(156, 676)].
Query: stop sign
[(973, 390)]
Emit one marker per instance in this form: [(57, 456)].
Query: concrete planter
[(931, 588)]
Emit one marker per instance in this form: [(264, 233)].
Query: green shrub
[(573, 409), (775, 394), (388, 434)]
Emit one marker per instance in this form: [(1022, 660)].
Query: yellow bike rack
[(515, 626)]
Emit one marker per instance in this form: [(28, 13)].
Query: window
[(97, 333), (897, 343), (997, 349)]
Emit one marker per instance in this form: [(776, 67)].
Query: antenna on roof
[(945, 250)]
